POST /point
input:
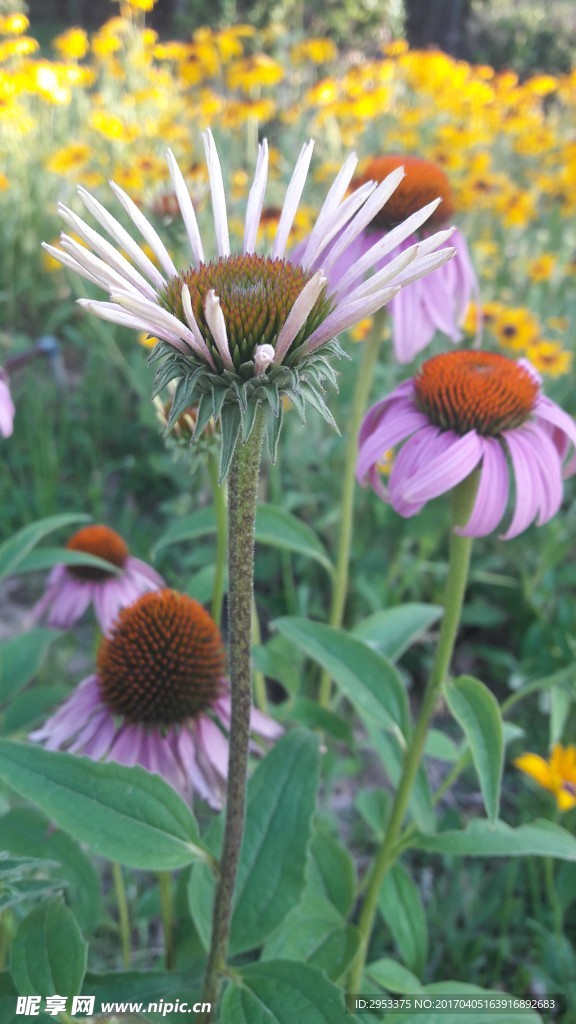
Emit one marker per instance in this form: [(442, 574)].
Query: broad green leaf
[(8, 1003), (278, 660), (400, 905), (126, 814), (441, 746), (279, 528), (393, 977), (486, 839), (275, 527), (26, 878), (315, 933), (148, 987), (365, 677), (282, 992), (47, 558), (22, 657), (15, 549), (309, 713), (391, 753), (281, 801), (200, 586), (200, 524), (48, 953), (27, 708), (25, 830), (331, 871), (560, 704), (465, 991), (477, 712), (373, 805), (393, 630)]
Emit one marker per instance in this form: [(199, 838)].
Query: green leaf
[(441, 746), (278, 528), (331, 871), (48, 953), (22, 657), (271, 873), (26, 831), (199, 524), (393, 630), (15, 549), (47, 558), (393, 977), (28, 708), (282, 992), (365, 677), (126, 814), (391, 753), (477, 712), (315, 933), (200, 585), (400, 905), (309, 713), (275, 527), (486, 839)]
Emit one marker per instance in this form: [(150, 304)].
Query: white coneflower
[(242, 328)]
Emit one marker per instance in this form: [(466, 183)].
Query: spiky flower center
[(482, 391), (102, 542), (164, 660), (424, 181), (256, 295)]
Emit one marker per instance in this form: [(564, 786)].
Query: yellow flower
[(104, 44), (139, 5), (21, 47), (396, 48), (4, 183), (541, 268), (558, 775), (550, 357), (113, 127), (147, 340), (69, 159), (72, 45), (13, 24), (384, 467), (516, 329), (318, 51), (362, 329), (256, 70)]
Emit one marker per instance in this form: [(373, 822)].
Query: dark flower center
[(102, 542), (482, 391), (424, 181), (164, 660), (256, 295)]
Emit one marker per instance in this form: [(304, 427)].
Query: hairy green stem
[(220, 510), (460, 547), (123, 915), (370, 351), (167, 911), (242, 499)]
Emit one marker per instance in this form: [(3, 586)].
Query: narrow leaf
[(477, 712)]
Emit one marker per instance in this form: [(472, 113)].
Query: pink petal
[(492, 494), (446, 469)]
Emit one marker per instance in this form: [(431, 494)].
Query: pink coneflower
[(72, 588), (7, 409), (242, 328), (438, 301), (159, 698), (465, 411)]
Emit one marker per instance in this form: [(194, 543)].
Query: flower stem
[(242, 497), (370, 350), (219, 495), (167, 910), (460, 547), (123, 915)]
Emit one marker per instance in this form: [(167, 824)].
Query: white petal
[(217, 324), (218, 194), (120, 235), (67, 261), (344, 316), (291, 200), (161, 318), (263, 356), (298, 314), (104, 275), (366, 215), (346, 211), (191, 320), (424, 266), (146, 230), (256, 199), (186, 208), (116, 315), (106, 251), (329, 208)]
